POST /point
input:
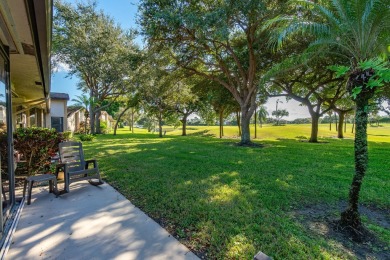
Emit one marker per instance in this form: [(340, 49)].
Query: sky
[(124, 13)]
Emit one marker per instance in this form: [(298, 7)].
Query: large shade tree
[(210, 38), (359, 31), (96, 50), (315, 87)]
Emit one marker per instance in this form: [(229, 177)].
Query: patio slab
[(90, 223)]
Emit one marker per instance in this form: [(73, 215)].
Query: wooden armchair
[(75, 167)]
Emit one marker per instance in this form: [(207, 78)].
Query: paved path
[(90, 223)]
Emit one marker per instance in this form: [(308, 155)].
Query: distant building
[(107, 118), (75, 117), (57, 117)]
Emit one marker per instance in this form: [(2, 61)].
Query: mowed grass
[(229, 202)]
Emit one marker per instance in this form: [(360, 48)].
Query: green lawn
[(229, 202)]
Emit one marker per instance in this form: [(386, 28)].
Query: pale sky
[(124, 13)]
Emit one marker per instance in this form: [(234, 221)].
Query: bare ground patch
[(323, 220)]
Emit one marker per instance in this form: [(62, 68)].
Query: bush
[(67, 135), (36, 146), (86, 137), (103, 128), (83, 128)]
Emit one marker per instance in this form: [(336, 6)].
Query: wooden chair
[(75, 167)]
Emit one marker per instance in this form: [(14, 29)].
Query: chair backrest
[(72, 152)]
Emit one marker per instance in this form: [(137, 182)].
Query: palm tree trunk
[(351, 217)]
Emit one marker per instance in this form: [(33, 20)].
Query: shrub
[(86, 137), (103, 128), (83, 128), (37, 145), (67, 135)]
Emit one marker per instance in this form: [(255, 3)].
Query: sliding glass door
[(6, 141)]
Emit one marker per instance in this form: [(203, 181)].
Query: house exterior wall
[(58, 109), (105, 117), (74, 120)]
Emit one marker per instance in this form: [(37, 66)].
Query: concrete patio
[(90, 223)]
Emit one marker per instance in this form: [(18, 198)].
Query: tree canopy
[(222, 41), (95, 49)]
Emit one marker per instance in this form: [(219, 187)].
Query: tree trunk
[(97, 125), (335, 118), (314, 127), (353, 123), (255, 123), (119, 118), (160, 125), (92, 121), (132, 120), (341, 124), (184, 121), (220, 123), (246, 114), (86, 123), (238, 123), (351, 216), (345, 124), (330, 122)]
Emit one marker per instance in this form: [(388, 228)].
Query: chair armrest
[(67, 165), (87, 162)]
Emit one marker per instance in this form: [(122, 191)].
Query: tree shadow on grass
[(203, 133), (225, 202)]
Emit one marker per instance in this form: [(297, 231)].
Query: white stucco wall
[(57, 109)]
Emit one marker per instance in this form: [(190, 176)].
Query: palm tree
[(358, 31), (83, 101), (262, 115)]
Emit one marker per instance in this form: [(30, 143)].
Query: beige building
[(57, 117), (76, 116), (106, 118)]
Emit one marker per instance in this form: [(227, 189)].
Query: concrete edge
[(11, 231)]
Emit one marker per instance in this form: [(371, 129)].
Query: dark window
[(57, 123)]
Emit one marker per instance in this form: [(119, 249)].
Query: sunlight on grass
[(229, 202), (223, 194), (237, 246), (270, 132)]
